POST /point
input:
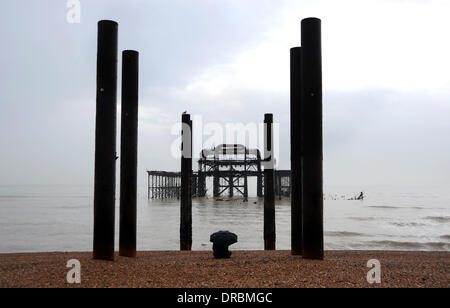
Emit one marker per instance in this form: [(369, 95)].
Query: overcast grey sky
[(386, 82)]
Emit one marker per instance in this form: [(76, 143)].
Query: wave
[(398, 207), (442, 219), (445, 237), (408, 224), (411, 245), (362, 218), (344, 234)]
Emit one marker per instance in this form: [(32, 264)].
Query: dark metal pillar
[(186, 184), (296, 153), (231, 183), (201, 184), (128, 151), (269, 189), (216, 185), (259, 181), (105, 141), (311, 86)]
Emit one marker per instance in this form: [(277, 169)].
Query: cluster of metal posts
[(307, 143), (163, 185), (306, 186), (186, 184), (269, 186), (105, 146)]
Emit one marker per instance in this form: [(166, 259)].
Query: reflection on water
[(59, 218)]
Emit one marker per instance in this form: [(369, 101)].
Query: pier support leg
[(259, 183), (105, 141), (231, 184), (128, 151), (296, 153), (216, 188), (201, 184), (245, 188), (269, 187), (186, 184), (311, 78)]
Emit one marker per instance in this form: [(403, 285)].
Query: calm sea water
[(60, 218)]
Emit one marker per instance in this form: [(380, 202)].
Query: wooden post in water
[(269, 188), (186, 184), (105, 141), (296, 153), (311, 86), (128, 152)]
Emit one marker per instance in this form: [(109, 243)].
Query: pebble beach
[(245, 269)]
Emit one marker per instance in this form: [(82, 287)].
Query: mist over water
[(60, 218)]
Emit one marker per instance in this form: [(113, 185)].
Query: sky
[(386, 84)]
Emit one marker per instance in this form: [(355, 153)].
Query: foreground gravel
[(247, 269)]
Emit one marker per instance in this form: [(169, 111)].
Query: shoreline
[(245, 269)]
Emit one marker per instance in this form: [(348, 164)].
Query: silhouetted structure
[(105, 141), (164, 185), (269, 186), (230, 165), (312, 164), (128, 150), (296, 153), (167, 185), (186, 184)]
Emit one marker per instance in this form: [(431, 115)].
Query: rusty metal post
[(269, 187), (128, 152), (311, 86), (105, 141), (216, 185), (186, 184), (259, 182), (201, 184), (296, 153)]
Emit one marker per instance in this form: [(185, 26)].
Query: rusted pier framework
[(230, 166), (166, 185), (163, 185)]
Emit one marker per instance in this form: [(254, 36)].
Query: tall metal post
[(105, 141), (296, 153), (128, 151), (269, 187), (311, 87), (186, 184)]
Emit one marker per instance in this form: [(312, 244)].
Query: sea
[(50, 218)]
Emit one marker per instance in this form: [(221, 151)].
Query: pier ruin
[(229, 166)]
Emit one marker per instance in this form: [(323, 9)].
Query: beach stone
[(221, 241)]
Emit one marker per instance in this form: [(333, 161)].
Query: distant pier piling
[(105, 141), (311, 98), (128, 152), (296, 153), (269, 187), (186, 184)]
